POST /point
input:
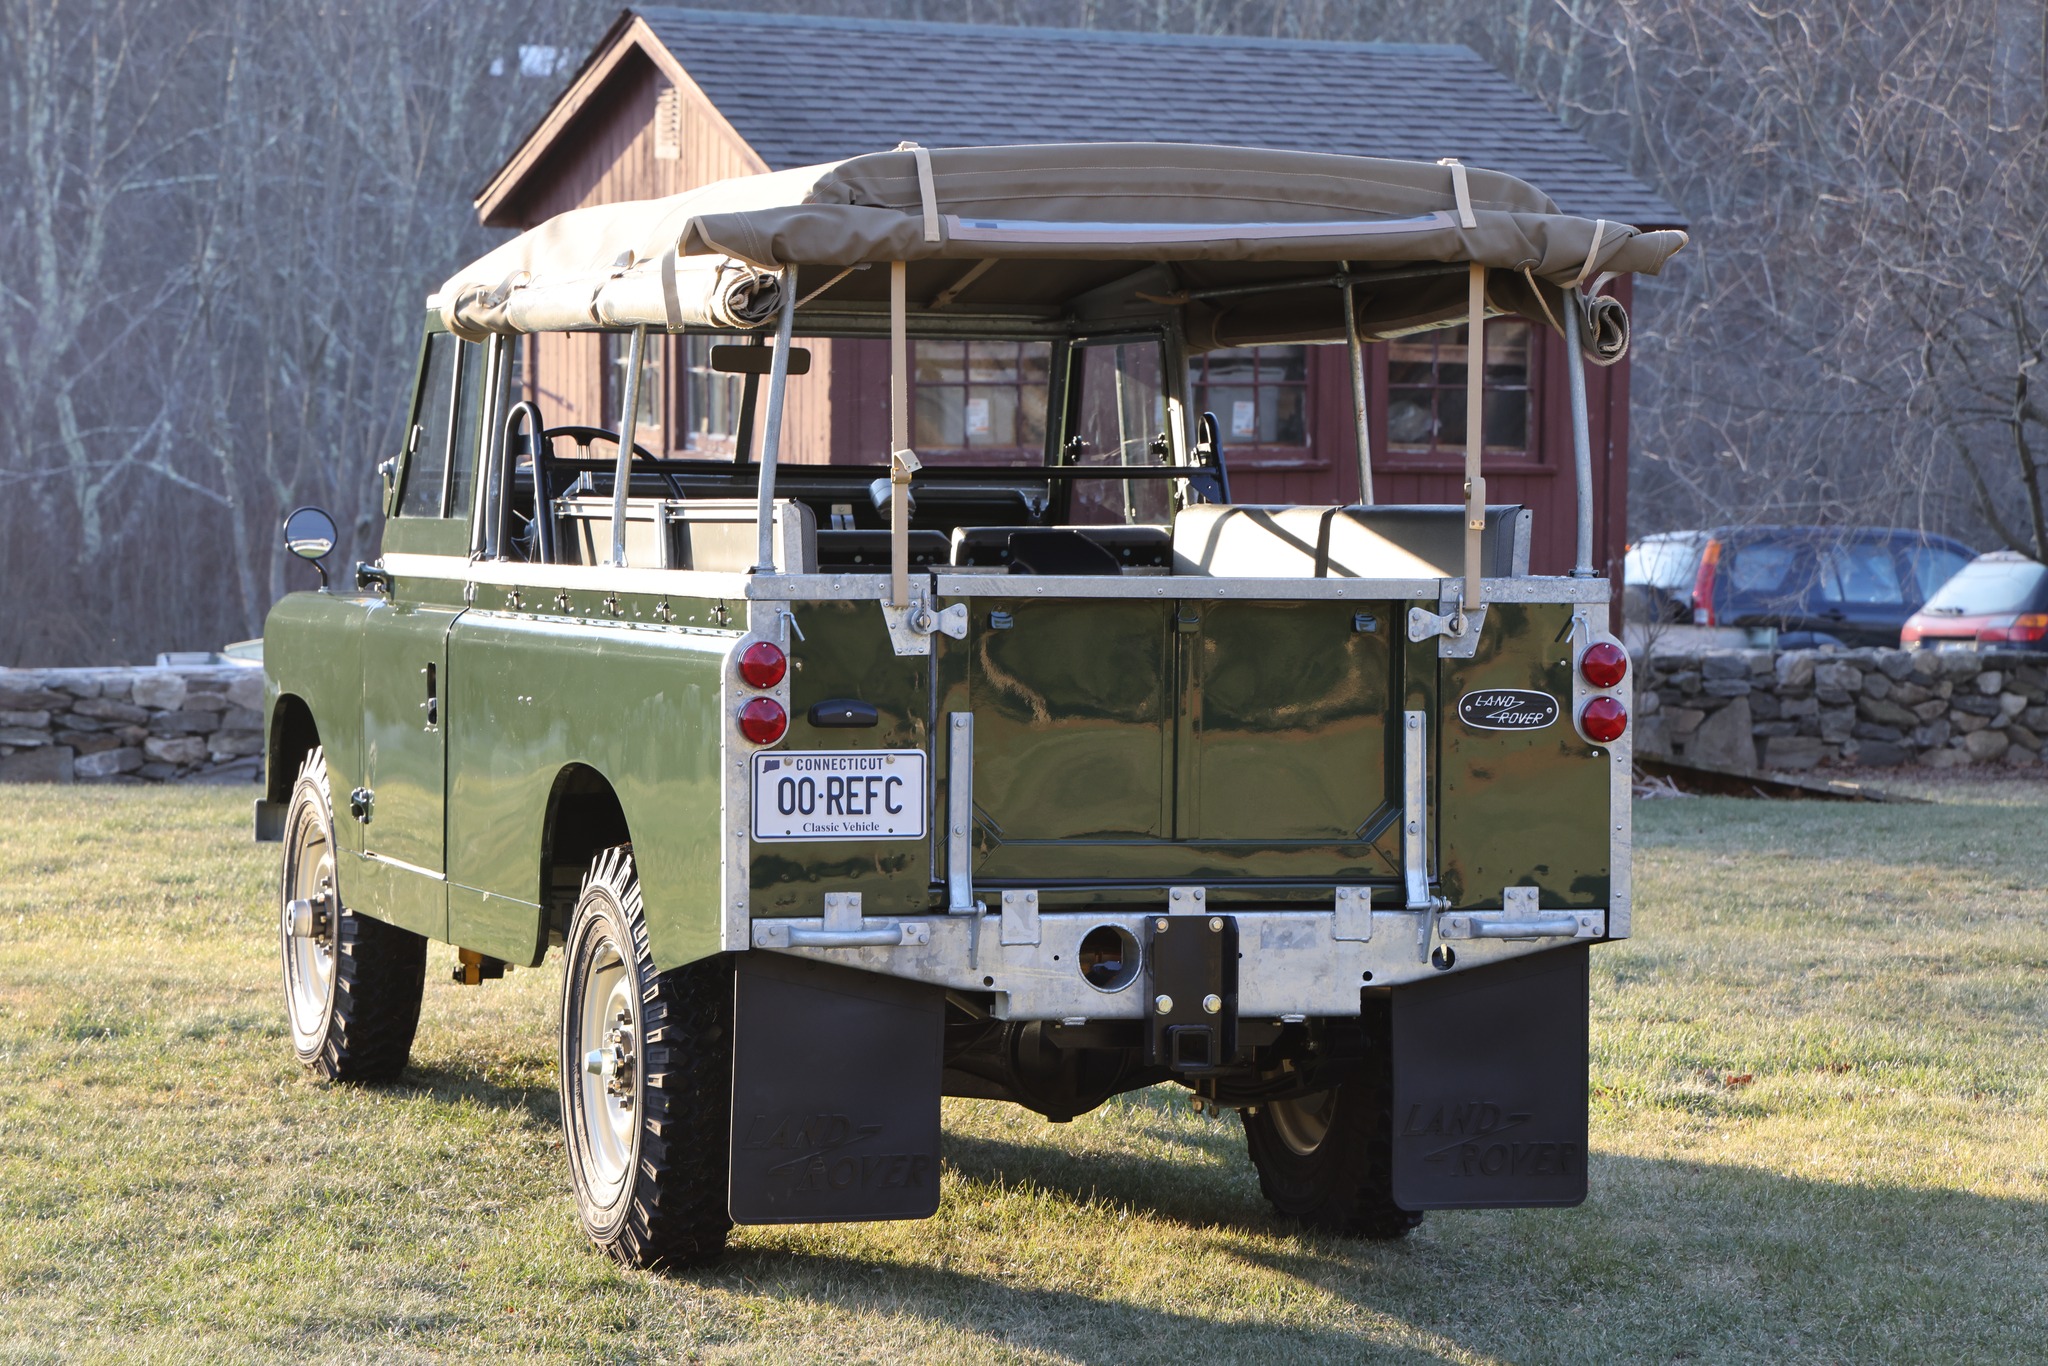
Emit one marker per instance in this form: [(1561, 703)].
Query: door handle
[(432, 706)]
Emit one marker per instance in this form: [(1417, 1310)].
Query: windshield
[(1662, 562), (1119, 418), (1984, 587)]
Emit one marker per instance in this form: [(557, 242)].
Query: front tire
[(352, 985), (646, 1081), (1327, 1159)]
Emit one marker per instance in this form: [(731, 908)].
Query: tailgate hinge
[(911, 628), (1456, 626)]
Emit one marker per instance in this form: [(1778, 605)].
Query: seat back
[(717, 534), (1395, 541), (1128, 547)]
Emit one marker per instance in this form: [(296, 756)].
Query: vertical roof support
[(1475, 437), (1356, 347), (771, 436), (1582, 437), (628, 421)]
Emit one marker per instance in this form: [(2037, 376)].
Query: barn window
[(1426, 390), (981, 396), (710, 417), (1258, 393), (617, 350)]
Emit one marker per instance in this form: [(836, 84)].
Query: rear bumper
[(1293, 963)]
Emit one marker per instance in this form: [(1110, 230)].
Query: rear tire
[(646, 1081), (352, 985), (1327, 1159)]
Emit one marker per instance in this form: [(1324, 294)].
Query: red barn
[(674, 98)]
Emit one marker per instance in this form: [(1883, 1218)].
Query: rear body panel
[(1135, 741)]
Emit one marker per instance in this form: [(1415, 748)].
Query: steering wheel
[(583, 436)]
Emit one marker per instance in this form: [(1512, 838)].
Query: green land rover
[(847, 785)]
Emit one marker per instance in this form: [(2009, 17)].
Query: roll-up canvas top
[(1230, 236)]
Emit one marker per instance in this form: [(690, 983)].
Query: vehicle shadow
[(1669, 1260), (1062, 1324), (453, 1084), (1224, 1196)]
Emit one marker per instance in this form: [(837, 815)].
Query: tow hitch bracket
[(1191, 991)]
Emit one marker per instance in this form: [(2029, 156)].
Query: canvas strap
[(1592, 255), (1461, 189), (927, 191), (671, 298)]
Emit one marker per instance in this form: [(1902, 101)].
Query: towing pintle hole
[(1108, 958)]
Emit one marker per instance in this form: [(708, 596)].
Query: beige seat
[(717, 534), (1421, 541)]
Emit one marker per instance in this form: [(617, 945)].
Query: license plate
[(860, 794)]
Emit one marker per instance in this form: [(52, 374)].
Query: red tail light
[(763, 721), (763, 664), (1603, 719), (1703, 585), (1604, 664), (2030, 629), (1909, 634)]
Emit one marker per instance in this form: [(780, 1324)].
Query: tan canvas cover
[(1218, 217)]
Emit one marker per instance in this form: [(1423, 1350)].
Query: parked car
[(1996, 599), (1810, 585)]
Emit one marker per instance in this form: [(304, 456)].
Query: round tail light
[(763, 721), (1603, 719), (763, 664), (1604, 664)]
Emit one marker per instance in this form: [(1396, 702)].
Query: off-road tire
[(352, 992), (651, 1180), (1341, 1179)]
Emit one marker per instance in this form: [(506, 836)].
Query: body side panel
[(640, 705), (312, 650), (1520, 807)]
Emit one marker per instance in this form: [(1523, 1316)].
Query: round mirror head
[(309, 533)]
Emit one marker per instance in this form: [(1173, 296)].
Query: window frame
[(409, 456), (659, 354), (1535, 458), (1019, 454), (1318, 407)]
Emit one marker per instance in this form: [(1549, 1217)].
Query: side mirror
[(310, 534)]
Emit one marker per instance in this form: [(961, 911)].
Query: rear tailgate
[(1148, 740)]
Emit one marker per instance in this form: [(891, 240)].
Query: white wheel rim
[(309, 959), (1304, 1122), (608, 1082)]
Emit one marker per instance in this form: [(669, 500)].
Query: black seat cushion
[(870, 549), (1057, 550)]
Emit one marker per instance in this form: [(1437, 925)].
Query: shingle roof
[(803, 89)]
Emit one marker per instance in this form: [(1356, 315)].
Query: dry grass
[(1820, 1132)]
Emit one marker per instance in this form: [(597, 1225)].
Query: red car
[(1996, 599)]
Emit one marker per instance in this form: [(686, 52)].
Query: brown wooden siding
[(1542, 481), (607, 155)]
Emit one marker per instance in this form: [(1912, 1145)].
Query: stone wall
[(1750, 709), (130, 725)]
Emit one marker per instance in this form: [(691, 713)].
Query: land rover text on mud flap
[(846, 786)]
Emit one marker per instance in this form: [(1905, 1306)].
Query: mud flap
[(1489, 1096), (835, 1094)]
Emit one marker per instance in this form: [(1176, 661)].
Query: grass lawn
[(1820, 1133)]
